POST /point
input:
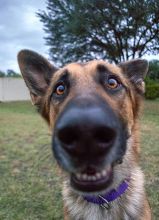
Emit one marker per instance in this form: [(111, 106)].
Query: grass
[(30, 186), (150, 153)]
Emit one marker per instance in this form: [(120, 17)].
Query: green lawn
[(30, 184)]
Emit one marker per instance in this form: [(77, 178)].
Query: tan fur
[(133, 204), (129, 206)]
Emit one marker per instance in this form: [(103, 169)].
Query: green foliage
[(154, 69), (112, 30), (2, 74), (12, 73), (152, 89)]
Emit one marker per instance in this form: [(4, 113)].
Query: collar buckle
[(106, 204)]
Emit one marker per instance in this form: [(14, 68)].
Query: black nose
[(86, 131)]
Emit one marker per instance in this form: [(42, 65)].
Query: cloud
[(20, 28)]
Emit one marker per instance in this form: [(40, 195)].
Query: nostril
[(67, 135), (104, 135)]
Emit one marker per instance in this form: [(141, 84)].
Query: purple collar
[(103, 200)]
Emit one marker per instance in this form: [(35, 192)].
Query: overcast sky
[(20, 28)]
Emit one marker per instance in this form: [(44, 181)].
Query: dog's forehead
[(91, 67), (88, 68)]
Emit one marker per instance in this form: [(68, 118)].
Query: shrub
[(153, 72), (152, 90), (2, 74)]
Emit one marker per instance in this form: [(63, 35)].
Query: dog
[(92, 109)]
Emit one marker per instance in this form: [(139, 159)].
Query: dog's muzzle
[(88, 139)]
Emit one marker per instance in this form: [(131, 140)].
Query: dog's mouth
[(96, 182)]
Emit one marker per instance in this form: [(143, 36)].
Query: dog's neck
[(128, 206), (104, 199)]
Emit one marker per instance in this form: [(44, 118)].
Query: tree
[(115, 30), (12, 73), (2, 74)]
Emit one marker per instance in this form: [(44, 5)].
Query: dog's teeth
[(78, 175), (84, 176), (89, 177), (104, 173), (98, 175), (95, 177)]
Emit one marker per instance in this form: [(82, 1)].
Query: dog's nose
[(90, 131)]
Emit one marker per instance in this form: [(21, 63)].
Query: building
[(13, 89)]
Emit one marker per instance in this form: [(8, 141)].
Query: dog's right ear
[(37, 73)]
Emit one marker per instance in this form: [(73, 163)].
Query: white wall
[(13, 89)]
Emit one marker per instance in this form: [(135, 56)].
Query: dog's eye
[(113, 83), (60, 89)]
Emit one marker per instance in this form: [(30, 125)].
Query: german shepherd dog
[(92, 110)]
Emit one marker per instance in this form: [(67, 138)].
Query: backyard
[(30, 183)]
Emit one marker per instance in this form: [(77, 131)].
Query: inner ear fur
[(37, 73)]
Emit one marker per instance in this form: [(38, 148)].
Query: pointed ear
[(37, 73), (136, 71)]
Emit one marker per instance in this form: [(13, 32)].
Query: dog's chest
[(94, 212), (120, 209), (127, 207), (79, 209)]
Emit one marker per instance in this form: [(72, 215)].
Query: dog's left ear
[(136, 71)]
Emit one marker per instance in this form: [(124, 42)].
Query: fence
[(13, 89)]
